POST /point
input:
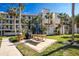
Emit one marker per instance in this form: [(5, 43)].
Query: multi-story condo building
[(7, 25), (50, 20)]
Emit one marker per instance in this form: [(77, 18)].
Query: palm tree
[(42, 28), (73, 6), (21, 7), (2, 18), (33, 23), (49, 17), (36, 22), (63, 16), (13, 12), (62, 20), (25, 22)]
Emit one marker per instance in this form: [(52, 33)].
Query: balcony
[(10, 33)]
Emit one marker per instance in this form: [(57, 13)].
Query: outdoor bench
[(39, 37)]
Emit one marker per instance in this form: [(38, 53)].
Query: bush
[(13, 39), (0, 40)]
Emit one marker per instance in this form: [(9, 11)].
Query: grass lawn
[(0, 40), (63, 37), (53, 50)]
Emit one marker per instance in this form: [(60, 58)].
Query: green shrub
[(13, 39), (0, 40)]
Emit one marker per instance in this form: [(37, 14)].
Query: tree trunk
[(48, 25), (20, 19), (73, 6), (15, 24), (61, 25)]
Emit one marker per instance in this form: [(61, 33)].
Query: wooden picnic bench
[(20, 37), (39, 37)]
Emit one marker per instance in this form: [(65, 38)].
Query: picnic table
[(20, 37), (39, 37)]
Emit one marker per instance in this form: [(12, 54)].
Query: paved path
[(41, 46), (8, 49)]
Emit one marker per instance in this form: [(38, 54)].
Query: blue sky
[(35, 8)]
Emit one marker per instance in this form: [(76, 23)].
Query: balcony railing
[(11, 33), (77, 30)]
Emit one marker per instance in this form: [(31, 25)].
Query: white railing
[(8, 28), (10, 33)]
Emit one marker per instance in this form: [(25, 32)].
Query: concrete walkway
[(41, 46), (8, 49)]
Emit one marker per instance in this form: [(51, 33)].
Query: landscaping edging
[(26, 50), (20, 51)]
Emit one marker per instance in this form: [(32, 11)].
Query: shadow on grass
[(65, 47), (76, 36)]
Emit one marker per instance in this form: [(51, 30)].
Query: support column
[(60, 30), (75, 28), (63, 29)]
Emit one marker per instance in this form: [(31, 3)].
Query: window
[(0, 26), (17, 26), (66, 19), (10, 21), (29, 17), (7, 21), (10, 16), (17, 21), (16, 16), (0, 21), (7, 16), (4, 21), (10, 27), (46, 17), (7, 26)]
